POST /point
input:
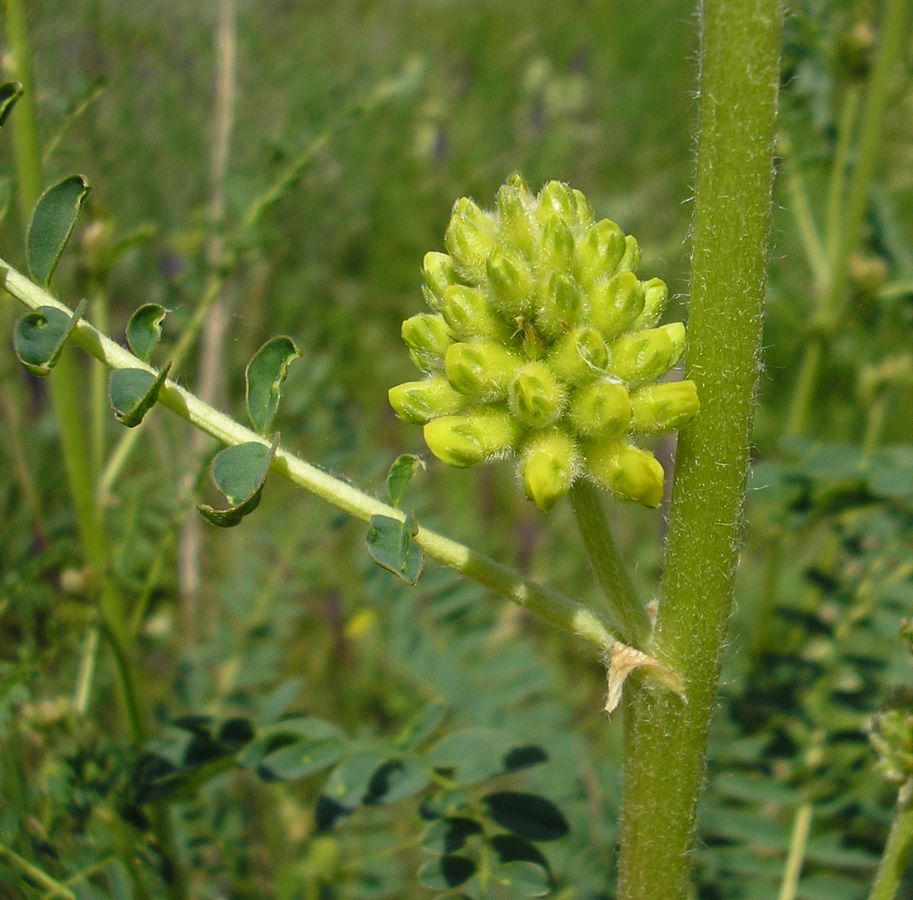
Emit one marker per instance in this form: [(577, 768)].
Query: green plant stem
[(844, 224), (897, 850), (626, 612), (29, 180), (53, 887), (665, 739), (836, 190), (801, 208), (549, 605), (797, 844), (101, 412)]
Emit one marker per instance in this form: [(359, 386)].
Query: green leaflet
[(133, 393), (39, 336), (390, 545), (52, 223), (239, 472), (401, 473), (144, 330), (264, 376)]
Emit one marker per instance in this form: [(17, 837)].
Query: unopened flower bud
[(469, 314), (583, 211), (516, 226), (548, 468), (560, 307), (645, 355), (600, 409), (511, 283), (557, 246), (579, 354), (468, 440), (439, 274), (600, 252), (556, 198), (631, 259), (420, 401), (470, 237), (656, 295), (664, 407), (535, 395), (427, 337), (615, 304), (628, 472), (482, 370)]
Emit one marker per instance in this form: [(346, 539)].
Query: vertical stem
[(797, 845), (626, 611), (665, 739), (897, 850)]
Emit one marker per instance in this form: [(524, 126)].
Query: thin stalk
[(665, 740), (897, 850), (626, 612), (801, 208), (845, 221), (836, 190), (549, 605), (53, 887), (798, 842), (876, 416)]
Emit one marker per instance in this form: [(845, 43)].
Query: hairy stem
[(665, 739), (625, 610), (897, 851)]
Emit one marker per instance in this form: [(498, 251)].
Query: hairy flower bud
[(427, 337), (548, 467), (544, 346), (536, 395), (421, 401), (468, 440), (664, 407), (600, 409)]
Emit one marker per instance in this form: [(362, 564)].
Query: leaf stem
[(665, 739), (626, 612), (51, 885), (897, 850), (798, 842)]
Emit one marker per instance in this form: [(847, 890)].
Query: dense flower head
[(543, 344)]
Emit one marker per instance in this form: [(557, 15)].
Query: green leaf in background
[(527, 815), (422, 726), (348, 787), (302, 758), (476, 754), (523, 878), (144, 330), (52, 224), (401, 472), (39, 336), (447, 835), (10, 92), (297, 730), (239, 472), (264, 376), (133, 393), (446, 872), (398, 779), (390, 545)]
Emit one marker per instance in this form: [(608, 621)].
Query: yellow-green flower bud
[(511, 283), (656, 295), (631, 259), (646, 355), (468, 440), (560, 306), (438, 273), (664, 407), (535, 395), (427, 337), (628, 472), (615, 304), (580, 354), (556, 198), (557, 246), (516, 227), (481, 370), (420, 401), (599, 254), (548, 468), (600, 409), (583, 211), (469, 314), (470, 237)]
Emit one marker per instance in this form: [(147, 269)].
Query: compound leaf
[(52, 224)]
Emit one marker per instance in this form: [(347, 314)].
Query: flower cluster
[(542, 344)]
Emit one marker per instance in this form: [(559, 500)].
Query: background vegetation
[(411, 106)]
